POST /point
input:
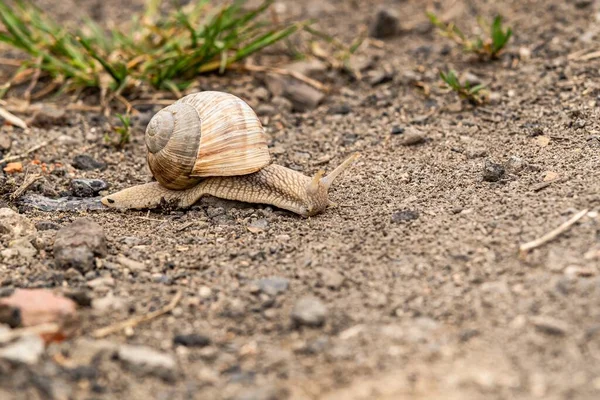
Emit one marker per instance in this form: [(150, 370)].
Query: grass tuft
[(163, 51), (474, 94), (490, 46)]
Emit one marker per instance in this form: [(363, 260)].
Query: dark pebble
[(77, 245), (46, 226), (192, 340), (81, 298), (342, 109), (86, 163), (87, 187), (492, 172), (397, 130), (404, 215), (385, 24)]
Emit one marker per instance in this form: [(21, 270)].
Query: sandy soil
[(426, 294)]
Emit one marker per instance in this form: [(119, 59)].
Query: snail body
[(212, 143)]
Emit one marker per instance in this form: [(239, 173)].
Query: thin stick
[(27, 182), (13, 119), (552, 234), (297, 75), (130, 323), (30, 330), (34, 81), (587, 57), (31, 150)]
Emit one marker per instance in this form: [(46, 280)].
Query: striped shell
[(205, 134)]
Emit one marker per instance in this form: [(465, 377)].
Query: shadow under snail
[(212, 143)]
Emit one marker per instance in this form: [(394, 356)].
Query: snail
[(212, 143)]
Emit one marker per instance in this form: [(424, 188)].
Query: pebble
[(204, 292), (147, 360), (379, 77), (47, 226), (309, 311), (85, 162), (261, 93), (192, 340), (5, 143), (492, 172), (260, 225), (282, 104), (49, 116), (77, 244), (404, 215), (132, 265), (412, 136), (397, 130), (302, 96), (550, 326), (26, 350), (20, 247), (109, 303), (514, 165), (331, 279), (385, 24), (266, 110), (36, 306), (272, 286), (341, 109), (87, 187), (13, 167), (312, 68)]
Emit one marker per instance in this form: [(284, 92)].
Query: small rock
[(282, 104), (47, 226), (5, 142), (266, 110), (385, 24), (341, 109), (302, 96), (80, 297), (15, 225), (20, 247), (85, 162), (397, 130), (147, 360), (77, 244), (272, 286), (514, 165), (260, 225), (471, 79), (331, 279), (109, 303), (476, 152), (524, 53), (13, 167), (309, 311), (87, 187), (267, 392), (379, 77), (26, 350), (38, 306), (131, 264), (204, 292), (550, 325), (49, 116), (412, 136), (191, 340), (550, 176), (492, 172), (312, 68), (404, 215), (261, 93)]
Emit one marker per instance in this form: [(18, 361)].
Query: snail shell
[(205, 134)]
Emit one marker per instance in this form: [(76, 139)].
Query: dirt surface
[(418, 267)]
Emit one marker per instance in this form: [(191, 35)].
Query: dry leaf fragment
[(12, 119)]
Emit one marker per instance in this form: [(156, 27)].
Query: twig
[(27, 182), (130, 323), (12, 119), (34, 80), (280, 71), (524, 248), (31, 150), (585, 57), (184, 227)]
